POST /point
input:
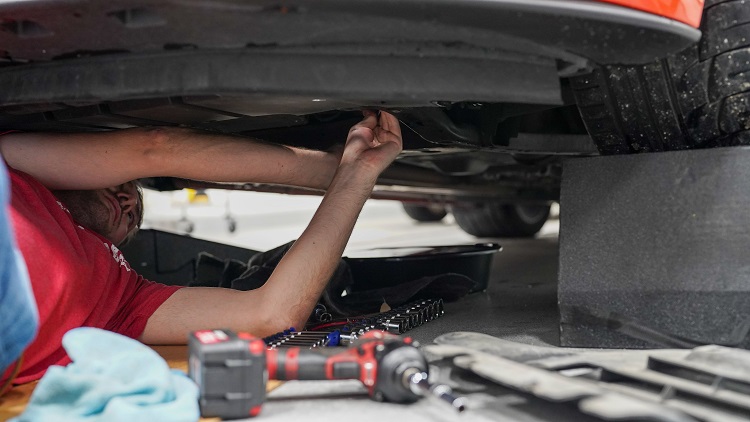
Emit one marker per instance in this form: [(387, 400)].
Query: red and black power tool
[(231, 370)]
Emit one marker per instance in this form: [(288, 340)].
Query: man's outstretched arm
[(100, 160), (290, 294)]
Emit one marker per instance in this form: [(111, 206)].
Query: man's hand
[(374, 142)]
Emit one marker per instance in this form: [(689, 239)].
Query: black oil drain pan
[(388, 267)]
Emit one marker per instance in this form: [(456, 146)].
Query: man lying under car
[(73, 202)]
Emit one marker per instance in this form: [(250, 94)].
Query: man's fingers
[(375, 132), (362, 132), (371, 118), (370, 121), (385, 135), (390, 122)]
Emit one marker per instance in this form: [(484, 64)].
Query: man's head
[(115, 213)]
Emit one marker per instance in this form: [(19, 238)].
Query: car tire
[(491, 219), (425, 213), (698, 98)]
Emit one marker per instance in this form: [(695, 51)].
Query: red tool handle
[(304, 364)]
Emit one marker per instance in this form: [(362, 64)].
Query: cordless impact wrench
[(231, 370)]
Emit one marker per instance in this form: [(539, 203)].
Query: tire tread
[(496, 220), (697, 98)]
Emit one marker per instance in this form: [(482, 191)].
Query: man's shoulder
[(28, 190), (18, 176)]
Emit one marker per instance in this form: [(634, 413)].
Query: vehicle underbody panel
[(469, 74)]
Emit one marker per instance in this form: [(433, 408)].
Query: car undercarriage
[(482, 89)]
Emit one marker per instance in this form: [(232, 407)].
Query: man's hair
[(138, 214)]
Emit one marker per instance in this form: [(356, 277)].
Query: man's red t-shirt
[(78, 277)]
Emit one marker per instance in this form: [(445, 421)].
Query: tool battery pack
[(230, 370)]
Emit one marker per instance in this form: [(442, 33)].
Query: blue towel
[(112, 378)]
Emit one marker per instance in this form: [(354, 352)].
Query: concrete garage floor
[(520, 303)]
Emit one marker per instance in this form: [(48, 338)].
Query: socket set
[(331, 333)]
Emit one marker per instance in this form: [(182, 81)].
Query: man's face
[(114, 213)]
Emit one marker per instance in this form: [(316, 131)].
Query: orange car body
[(685, 11)]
